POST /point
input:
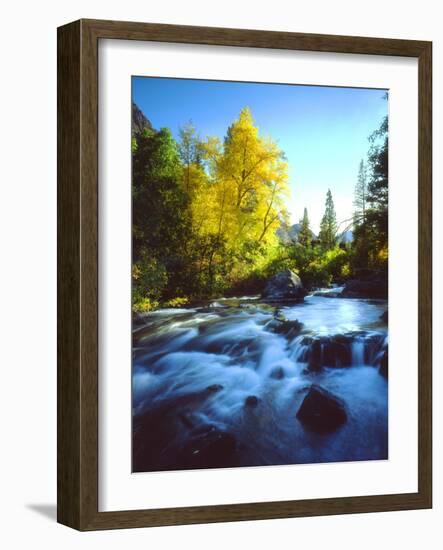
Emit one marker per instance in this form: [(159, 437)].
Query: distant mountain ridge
[(139, 121), (289, 234)]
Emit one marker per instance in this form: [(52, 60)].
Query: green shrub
[(142, 304), (176, 302), (149, 278)]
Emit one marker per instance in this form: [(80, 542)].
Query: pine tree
[(361, 195), (328, 225), (378, 168), (305, 235), (371, 217)]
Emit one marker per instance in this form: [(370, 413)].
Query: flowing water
[(220, 385)]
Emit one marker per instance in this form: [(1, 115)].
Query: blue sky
[(323, 130)]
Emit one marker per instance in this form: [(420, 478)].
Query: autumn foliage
[(206, 215)]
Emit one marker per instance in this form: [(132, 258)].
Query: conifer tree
[(305, 235), (361, 195), (328, 225)]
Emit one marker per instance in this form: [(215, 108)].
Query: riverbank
[(284, 287)]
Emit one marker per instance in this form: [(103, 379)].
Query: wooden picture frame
[(78, 274)]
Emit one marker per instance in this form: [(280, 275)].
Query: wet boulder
[(158, 432), (338, 351), (201, 430), (315, 355), (278, 373), (376, 287), (214, 388), (343, 350), (384, 365), (321, 411), (209, 448), (251, 401), (284, 286), (286, 327), (330, 351)]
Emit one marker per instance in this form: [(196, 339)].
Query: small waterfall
[(340, 350), (358, 353), (299, 349), (380, 351)]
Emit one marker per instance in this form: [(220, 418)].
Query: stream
[(220, 385)]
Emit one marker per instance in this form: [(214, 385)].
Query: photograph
[(259, 274)]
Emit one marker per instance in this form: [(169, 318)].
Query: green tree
[(161, 220), (378, 183), (361, 195), (305, 235), (328, 224), (370, 245), (205, 213), (378, 166)]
